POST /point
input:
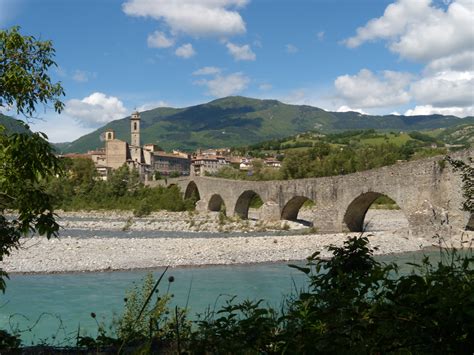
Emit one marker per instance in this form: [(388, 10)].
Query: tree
[(24, 79), (26, 159)]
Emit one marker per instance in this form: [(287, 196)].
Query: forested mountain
[(237, 121)]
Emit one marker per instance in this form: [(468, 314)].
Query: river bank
[(225, 242)]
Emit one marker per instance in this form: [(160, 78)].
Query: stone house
[(146, 159)]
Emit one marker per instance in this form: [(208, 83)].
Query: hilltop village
[(152, 163)]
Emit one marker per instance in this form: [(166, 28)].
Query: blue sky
[(373, 56)]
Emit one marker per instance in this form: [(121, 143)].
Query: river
[(53, 307)]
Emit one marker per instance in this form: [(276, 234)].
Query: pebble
[(75, 254)]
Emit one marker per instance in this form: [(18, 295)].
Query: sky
[(373, 56)]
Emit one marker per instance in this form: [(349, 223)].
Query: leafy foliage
[(8, 341), (354, 304), (27, 159), (146, 314), (81, 189), (146, 324), (237, 328), (24, 80)]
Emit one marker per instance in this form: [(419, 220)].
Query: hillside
[(459, 135), (237, 121), (12, 125)]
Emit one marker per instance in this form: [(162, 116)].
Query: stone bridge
[(428, 191)]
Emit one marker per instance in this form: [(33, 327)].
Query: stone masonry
[(428, 191)]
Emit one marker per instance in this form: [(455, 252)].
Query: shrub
[(144, 209)]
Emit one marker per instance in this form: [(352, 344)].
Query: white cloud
[(297, 97), (159, 39), (345, 108), (320, 35), (394, 22), (307, 96), (421, 31), (82, 76), (240, 52), (185, 51), (367, 90), (151, 105), (442, 38), (265, 87), (463, 61), (95, 109), (60, 71), (448, 91), (225, 85), (445, 89), (60, 128), (192, 17), (79, 76), (207, 71), (430, 110), (290, 48)]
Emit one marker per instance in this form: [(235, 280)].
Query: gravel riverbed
[(209, 240)]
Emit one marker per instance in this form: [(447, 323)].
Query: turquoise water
[(56, 306)]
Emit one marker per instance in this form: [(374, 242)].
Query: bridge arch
[(192, 192), (216, 203), (243, 203), (356, 211), (292, 208)]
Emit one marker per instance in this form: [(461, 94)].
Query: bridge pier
[(432, 221), (327, 220), (270, 211), (201, 206)]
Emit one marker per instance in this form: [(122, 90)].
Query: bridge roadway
[(428, 191)]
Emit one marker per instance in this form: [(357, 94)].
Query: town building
[(272, 163), (152, 162), (210, 164), (147, 159)]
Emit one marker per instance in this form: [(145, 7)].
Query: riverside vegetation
[(313, 154), (79, 189)]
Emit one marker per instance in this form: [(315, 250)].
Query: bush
[(122, 191), (144, 209)]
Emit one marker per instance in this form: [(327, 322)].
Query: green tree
[(123, 180), (24, 79), (26, 159)]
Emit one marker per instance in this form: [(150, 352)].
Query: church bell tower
[(135, 129)]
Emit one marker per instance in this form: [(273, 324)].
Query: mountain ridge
[(237, 121)]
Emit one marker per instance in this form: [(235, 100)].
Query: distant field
[(397, 139)]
